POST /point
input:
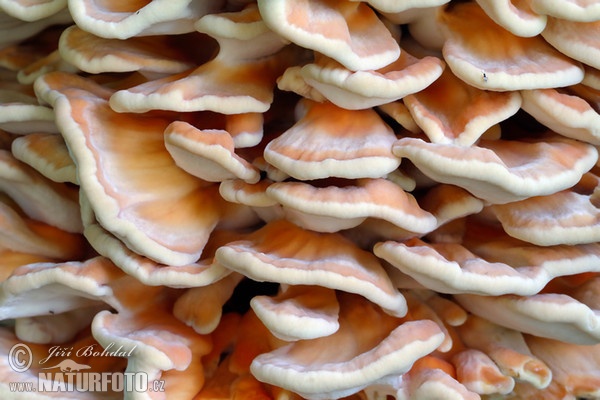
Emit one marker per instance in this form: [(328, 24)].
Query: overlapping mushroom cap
[(310, 199)]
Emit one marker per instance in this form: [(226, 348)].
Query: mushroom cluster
[(303, 199)]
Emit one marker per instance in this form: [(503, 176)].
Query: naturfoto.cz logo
[(68, 375)]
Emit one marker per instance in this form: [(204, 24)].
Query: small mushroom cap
[(575, 10), (520, 63), (365, 89), (352, 358), (282, 252), (55, 164), (575, 39), (333, 208), (564, 112), (95, 54), (567, 217), (52, 288), (141, 211), (349, 32), (507, 348), (516, 17), (331, 141), (208, 154), (115, 19), (473, 113), (399, 113), (480, 374), (213, 296), (299, 312), (501, 171), (433, 383), (254, 196)]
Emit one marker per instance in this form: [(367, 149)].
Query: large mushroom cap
[(137, 210), (347, 31), (520, 63), (331, 141)]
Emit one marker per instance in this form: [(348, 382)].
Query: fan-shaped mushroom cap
[(507, 348), (523, 269), (331, 141), (282, 252), (567, 217), (516, 17), (564, 112), (95, 55), (116, 19), (473, 112), (575, 39), (349, 360), (334, 208), (41, 199), (559, 316), (501, 171), (299, 312), (167, 218), (48, 154), (240, 79), (208, 154), (199, 273), (27, 10), (349, 32), (365, 89), (575, 10), (50, 288), (523, 63)]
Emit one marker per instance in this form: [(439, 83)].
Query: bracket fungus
[(353, 144), (302, 199)]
